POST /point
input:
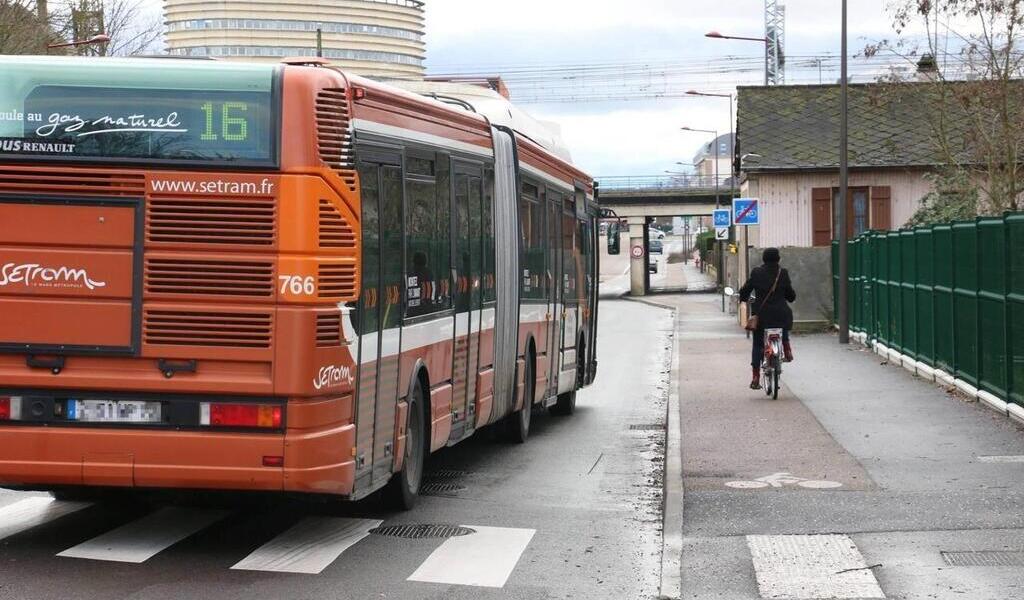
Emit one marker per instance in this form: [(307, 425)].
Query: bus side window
[(489, 293), (534, 272), (428, 235)]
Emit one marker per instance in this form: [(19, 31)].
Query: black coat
[(776, 313)]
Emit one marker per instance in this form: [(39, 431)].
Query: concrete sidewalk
[(869, 452)]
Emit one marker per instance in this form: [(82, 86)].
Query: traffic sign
[(637, 251), (722, 217), (721, 233), (746, 211)]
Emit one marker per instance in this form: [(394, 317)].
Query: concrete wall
[(811, 272)]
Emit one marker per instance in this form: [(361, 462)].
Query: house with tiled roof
[(787, 153)]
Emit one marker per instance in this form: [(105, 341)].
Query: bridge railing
[(645, 183)]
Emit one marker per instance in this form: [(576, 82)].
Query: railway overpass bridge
[(637, 199)]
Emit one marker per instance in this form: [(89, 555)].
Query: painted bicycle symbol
[(779, 480)]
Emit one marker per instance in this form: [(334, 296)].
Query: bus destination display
[(180, 125)]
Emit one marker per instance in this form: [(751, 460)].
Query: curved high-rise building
[(378, 38)]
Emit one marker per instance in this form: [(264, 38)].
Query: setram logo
[(33, 275), (332, 376)]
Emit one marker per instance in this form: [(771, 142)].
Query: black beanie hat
[(771, 255)]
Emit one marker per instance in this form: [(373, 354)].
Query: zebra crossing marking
[(32, 512), (484, 559), (811, 566), (144, 538), (309, 547)]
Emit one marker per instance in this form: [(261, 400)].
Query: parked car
[(652, 264), (655, 246), (655, 234)]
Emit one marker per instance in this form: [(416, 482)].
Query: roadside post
[(746, 212), (723, 219)]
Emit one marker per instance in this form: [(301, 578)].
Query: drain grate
[(421, 531), (648, 427), (984, 558), (441, 488), (445, 474)]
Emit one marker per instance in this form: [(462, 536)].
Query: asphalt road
[(573, 513)]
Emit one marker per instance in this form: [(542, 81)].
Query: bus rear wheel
[(517, 424), (403, 489)]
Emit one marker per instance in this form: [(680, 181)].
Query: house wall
[(786, 201)]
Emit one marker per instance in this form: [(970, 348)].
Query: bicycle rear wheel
[(776, 375)]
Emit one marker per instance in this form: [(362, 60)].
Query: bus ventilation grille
[(334, 231), (334, 133), (243, 222), (328, 330), (337, 281), (20, 180), (224, 330), (212, 278)]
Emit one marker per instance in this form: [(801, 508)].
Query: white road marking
[(142, 539), (1001, 459), (309, 547), (811, 566), (31, 512), (485, 558), (778, 480)]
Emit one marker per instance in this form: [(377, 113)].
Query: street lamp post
[(764, 40), (100, 38), (718, 204), (844, 190)]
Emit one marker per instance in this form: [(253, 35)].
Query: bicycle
[(771, 362)]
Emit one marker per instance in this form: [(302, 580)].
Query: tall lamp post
[(844, 190), (718, 36), (718, 204)]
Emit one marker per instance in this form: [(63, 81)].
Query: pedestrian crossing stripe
[(309, 547), (484, 559), (144, 538), (32, 512)]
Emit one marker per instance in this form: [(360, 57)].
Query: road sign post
[(723, 219), (746, 212)]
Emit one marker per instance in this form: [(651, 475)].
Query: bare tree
[(132, 31), (974, 62), (22, 29)]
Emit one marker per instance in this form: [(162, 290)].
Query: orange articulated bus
[(274, 277)]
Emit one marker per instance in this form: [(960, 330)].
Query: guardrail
[(641, 183)]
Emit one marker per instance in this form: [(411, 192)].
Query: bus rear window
[(137, 110)]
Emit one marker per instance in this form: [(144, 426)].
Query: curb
[(671, 586), (935, 375)]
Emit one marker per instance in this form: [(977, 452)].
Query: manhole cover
[(441, 488), (422, 531), (446, 474), (984, 558), (647, 427)]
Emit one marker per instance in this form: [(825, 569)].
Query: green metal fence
[(950, 296)]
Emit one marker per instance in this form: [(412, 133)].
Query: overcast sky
[(633, 138), (639, 137)]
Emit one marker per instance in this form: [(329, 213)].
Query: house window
[(867, 208)]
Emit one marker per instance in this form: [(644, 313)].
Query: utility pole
[(844, 190), (775, 42), (319, 42)]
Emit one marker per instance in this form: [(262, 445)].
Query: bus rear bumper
[(42, 457)]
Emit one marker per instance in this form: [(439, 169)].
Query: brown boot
[(787, 352), (755, 383)]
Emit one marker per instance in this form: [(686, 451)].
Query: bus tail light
[(218, 414), (10, 408)]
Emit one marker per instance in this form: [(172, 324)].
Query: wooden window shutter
[(821, 216), (881, 207)]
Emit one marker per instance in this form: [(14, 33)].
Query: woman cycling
[(773, 291)]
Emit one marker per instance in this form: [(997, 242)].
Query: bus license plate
[(113, 411)]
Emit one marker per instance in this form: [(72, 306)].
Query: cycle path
[(911, 479)]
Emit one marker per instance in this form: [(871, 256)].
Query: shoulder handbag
[(753, 321)]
